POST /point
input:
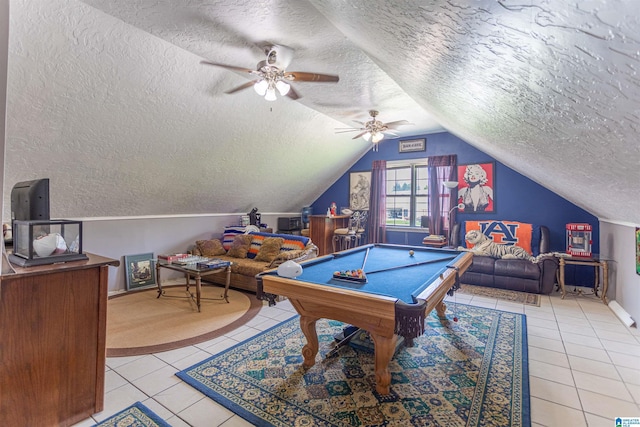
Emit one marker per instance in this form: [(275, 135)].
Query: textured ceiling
[(108, 99)]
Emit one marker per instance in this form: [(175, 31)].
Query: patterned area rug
[(501, 294), (470, 373), (136, 415)]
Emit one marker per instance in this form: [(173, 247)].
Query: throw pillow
[(270, 249), (229, 233), (240, 246), (210, 248)]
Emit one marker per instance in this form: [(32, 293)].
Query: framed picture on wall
[(637, 250), (412, 145), (140, 271), (476, 187), (359, 190)]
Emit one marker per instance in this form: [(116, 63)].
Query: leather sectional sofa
[(514, 274)]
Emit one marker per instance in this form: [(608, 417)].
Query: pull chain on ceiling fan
[(374, 130), (272, 77)]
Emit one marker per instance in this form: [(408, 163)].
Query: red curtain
[(378, 203)]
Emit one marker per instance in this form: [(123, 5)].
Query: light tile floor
[(584, 367)]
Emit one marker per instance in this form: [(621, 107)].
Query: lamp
[(458, 206), (270, 95), (451, 185), (261, 87), (283, 87)]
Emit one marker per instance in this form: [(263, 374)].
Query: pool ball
[(411, 253)]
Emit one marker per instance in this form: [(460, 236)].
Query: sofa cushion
[(270, 249), (517, 268), (248, 267), (525, 235), (482, 264), (240, 246), (228, 235), (210, 248)]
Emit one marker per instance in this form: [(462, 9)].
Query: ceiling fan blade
[(241, 87), (293, 94), (392, 125), (360, 134), (310, 77), (347, 130), (230, 67)]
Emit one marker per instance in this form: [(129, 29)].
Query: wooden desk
[(593, 261), (53, 326), (321, 228)]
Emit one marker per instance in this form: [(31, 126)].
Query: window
[(407, 191)]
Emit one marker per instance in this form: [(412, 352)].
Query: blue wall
[(517, 197)]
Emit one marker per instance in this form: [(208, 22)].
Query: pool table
[(403, 284)]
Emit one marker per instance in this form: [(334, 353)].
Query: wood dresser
[(53, 342), (321, 228)]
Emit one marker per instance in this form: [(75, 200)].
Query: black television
[(30, 201)]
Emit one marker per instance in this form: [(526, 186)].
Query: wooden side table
[(594, 261)]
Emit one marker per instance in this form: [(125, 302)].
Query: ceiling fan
[(271, 75), (374, 130)]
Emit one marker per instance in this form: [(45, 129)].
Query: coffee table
[(193, 271)]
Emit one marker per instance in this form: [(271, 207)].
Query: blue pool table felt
[(401, 278)]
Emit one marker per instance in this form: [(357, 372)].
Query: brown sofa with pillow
[(253, 253)]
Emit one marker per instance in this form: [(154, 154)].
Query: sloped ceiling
[(109, 100)]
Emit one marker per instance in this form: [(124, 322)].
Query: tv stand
[(53, 342)]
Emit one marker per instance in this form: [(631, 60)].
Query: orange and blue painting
[(638, 250)]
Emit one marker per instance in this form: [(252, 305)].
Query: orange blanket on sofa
[(503, 232)]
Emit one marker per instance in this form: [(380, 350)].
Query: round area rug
[(140, 323)]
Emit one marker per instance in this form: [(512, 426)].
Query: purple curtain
[(440, 169), (377, 223)]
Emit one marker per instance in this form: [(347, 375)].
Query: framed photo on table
[(476, 187), (359, 190), (140, 271)]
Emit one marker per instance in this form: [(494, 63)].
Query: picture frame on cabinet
[(140, 271)]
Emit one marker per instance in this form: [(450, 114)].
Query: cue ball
[(411, 253)]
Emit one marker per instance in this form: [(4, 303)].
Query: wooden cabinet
[(53, 342), (321, 229)]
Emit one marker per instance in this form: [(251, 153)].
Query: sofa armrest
[(309, 252), (548, 273)]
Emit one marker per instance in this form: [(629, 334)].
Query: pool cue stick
[(410, 265), (366, 255), (344, 341)]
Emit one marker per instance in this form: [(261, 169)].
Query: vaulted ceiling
[(109, 100)]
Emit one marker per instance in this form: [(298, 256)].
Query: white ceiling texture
[(109, 100)]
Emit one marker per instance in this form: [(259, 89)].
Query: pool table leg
[(441, 309), (384, 349), (309, 351)]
